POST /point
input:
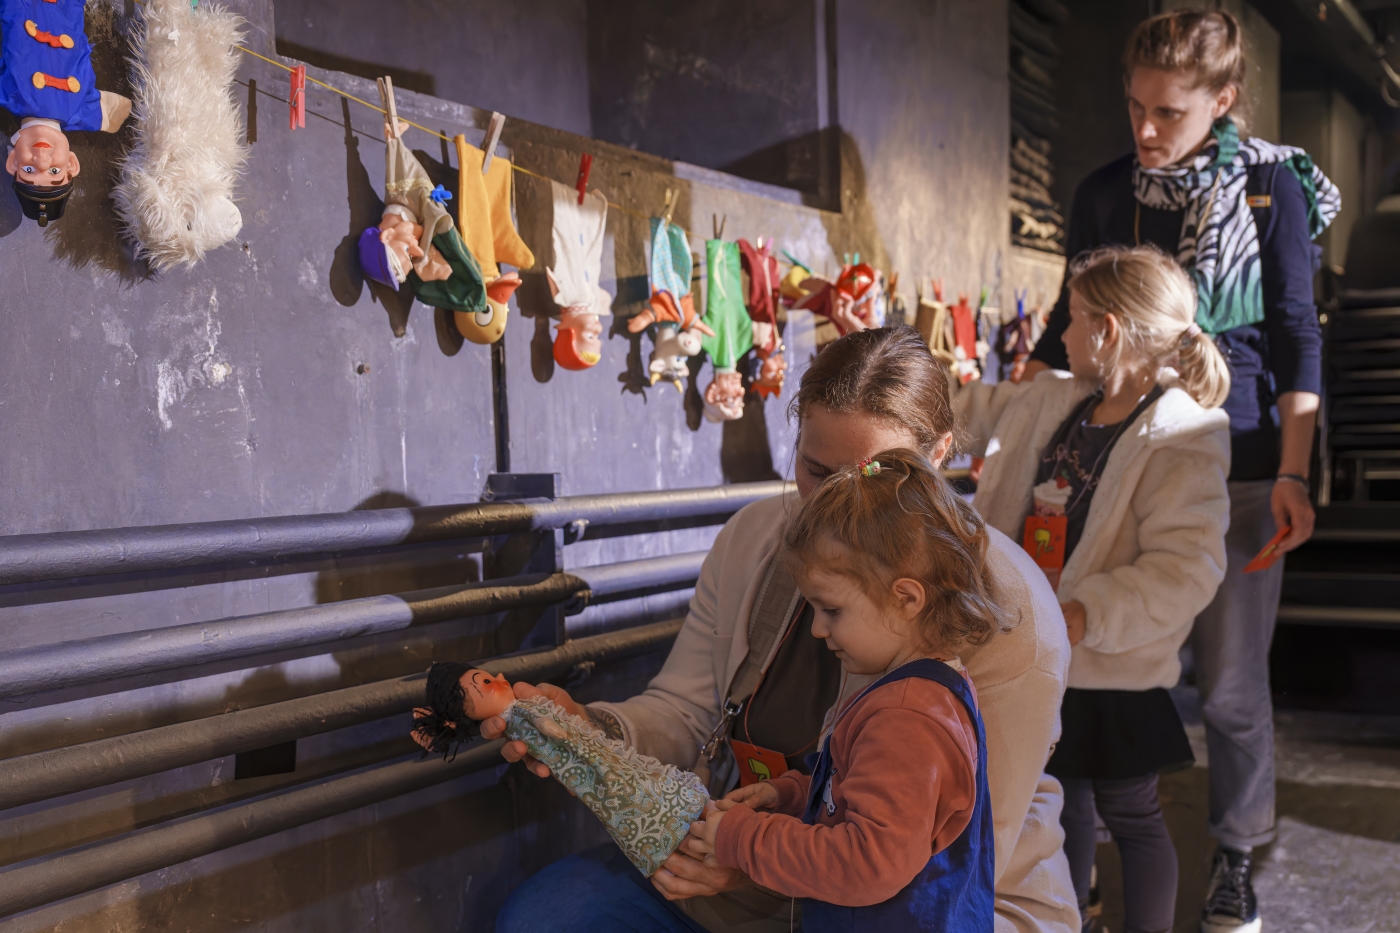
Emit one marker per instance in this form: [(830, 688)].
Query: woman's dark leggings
[(1133, 815)]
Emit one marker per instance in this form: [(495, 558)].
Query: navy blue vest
[(953, 892)]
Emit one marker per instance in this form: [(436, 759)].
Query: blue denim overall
[(953, 892)]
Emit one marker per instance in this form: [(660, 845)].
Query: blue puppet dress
[(46, 64)]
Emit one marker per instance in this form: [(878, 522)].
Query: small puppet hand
[(432, 267), (843, 314), (495, 727), (420, 712), (760, 796), (1075, 620)]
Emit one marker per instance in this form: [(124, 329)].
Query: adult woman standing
[(747, 646), (1240, 215)]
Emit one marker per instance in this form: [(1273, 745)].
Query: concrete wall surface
[(272, 379)]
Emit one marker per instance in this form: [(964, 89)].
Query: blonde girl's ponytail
[(1204, 373), (1154, 302)]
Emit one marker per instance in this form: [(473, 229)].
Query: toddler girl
[(1113, 475), (893, 828)]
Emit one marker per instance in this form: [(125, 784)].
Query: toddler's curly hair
[(904, 520)]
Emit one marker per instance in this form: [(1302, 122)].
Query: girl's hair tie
[(1192, 331), (869, 467)]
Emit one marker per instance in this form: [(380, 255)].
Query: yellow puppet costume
[(483, 217)]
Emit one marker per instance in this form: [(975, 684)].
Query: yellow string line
[(347, 94)]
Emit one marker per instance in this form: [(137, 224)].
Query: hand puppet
[(726, 316), (489, 235), (646, 806), (764, 299), (47, 82), (573, 280), (676, 329)]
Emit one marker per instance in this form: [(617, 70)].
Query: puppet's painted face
[(486, 695), (483, 326), (724, 397), (41, 157), (587, 331)]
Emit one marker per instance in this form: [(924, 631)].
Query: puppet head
[(724, 397), (577, 343), (487, 326), (671, 350), (459, 697), (400, 239), (43, 169), (771, 376)]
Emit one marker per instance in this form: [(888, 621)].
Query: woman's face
[(1171, 116), (828, 440)]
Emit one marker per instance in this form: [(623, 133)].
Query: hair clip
[(869, 467), (440, 194)]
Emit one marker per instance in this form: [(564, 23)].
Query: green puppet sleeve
[(464, 290), (724, 307)]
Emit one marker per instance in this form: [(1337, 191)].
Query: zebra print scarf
[(1219, 241)]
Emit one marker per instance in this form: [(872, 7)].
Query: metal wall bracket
[(528, 552)]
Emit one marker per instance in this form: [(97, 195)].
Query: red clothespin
[(298, 97), (585, 165), (938, 290)]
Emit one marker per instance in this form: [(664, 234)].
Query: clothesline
[(431, 132)]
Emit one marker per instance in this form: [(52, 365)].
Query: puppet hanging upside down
[(47, 82), (646, 806)]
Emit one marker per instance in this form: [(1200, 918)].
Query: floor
[(1335, 867)]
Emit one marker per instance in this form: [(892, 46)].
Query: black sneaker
[(1230, 903)]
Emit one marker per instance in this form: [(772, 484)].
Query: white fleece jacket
[(1019, 675), (1153, 548)]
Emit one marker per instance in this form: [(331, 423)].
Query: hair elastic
[(1192, 331), (869, 467)]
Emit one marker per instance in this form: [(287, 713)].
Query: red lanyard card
[(756, 763), (1265, 558), (1044, 541)]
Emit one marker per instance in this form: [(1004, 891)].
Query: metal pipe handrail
[(126, 654), (58, 771), (127, 856), (71, 554)]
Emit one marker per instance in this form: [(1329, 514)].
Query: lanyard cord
[(748, 704), (1060, 436)]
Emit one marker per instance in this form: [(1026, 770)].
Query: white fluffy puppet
[(176, 191)]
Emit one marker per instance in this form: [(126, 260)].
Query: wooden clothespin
[(386, 97), (670, 206), (298, 97), (718, 225), (585, 165), (493, 136)]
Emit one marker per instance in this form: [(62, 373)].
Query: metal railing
[(52, 773)]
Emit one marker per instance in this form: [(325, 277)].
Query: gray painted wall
[(232, 390)]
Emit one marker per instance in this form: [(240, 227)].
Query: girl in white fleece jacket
[(1113, 477)]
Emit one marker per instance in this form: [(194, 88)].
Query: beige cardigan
[(1020, 678), (1153, 548)]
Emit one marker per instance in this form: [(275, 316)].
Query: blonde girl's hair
[(902, 519), (1154, 302), (1208, 43)]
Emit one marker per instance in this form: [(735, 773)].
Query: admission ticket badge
[(1044, 541), (756, 763)]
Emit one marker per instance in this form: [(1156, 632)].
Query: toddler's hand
[(760, 796), (705, 830)]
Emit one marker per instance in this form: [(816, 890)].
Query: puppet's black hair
[(448, 725)]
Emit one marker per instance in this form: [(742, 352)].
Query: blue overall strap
[(954, 891), (22, 56)]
